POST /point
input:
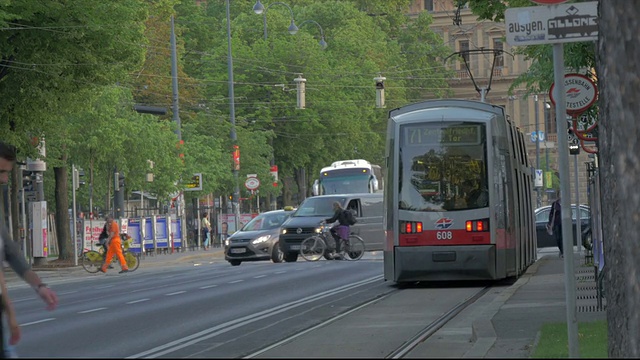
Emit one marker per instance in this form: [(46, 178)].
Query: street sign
[(552, 24), (580, 93), (195, 183), (541, 136), (538, 179), (252, 183)]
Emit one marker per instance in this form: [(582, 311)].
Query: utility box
[(39, 228)]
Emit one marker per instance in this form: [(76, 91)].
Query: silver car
[(258, 239)]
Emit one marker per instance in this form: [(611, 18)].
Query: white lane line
[(214, 331), (175, 293), (37, 322), (92, 310), (137, 301), (279, 272), (233, 282), (207, 287), (259, 276)]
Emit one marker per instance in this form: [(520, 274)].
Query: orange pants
[(115, 248)]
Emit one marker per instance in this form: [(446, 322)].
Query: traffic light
[(121, 180), (78, 178), (28, 177)]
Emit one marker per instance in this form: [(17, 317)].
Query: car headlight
[(261, 239), (284, 231), (226, 242)]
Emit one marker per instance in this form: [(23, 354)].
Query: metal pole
[(546, 144), (74, 185), (174, 76), (535, 98), (578, 217), (565, 202), (232, 114)]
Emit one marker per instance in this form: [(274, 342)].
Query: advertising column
[(39, 231)]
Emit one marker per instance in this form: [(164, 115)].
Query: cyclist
[(341, 230)]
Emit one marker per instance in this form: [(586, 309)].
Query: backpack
[(349, 218)]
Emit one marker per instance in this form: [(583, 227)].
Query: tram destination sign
[(552, 24)]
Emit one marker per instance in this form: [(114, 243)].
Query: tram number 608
[(444, 235)]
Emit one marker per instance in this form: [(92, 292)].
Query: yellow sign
[(195, 183), (548, 179)]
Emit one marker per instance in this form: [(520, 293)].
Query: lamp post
[(547, 106), (535, 99), (258, 8), (232, 115), (322, 42)]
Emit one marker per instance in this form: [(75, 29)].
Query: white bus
[(349, 177)]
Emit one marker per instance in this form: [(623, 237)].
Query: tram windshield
[(443, 166)]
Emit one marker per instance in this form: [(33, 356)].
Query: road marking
[(137, 301), (92, 310), (233, 282), (208, 287), (245, 320), (37, 322), (175, 293)]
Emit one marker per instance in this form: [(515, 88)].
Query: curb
[(483, 334)]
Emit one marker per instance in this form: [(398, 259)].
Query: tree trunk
[(619, 85), (63, 232), (16, 215), (301, 180)]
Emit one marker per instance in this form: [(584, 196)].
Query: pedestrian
[(224, 231), (206, 230), (341, 230), (555, 222), (10, 330), (114, 246), (10, 250)]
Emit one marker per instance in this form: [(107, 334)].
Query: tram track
[(346, 317), (434, 326)]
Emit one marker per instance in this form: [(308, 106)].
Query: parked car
[(258, 239), (542, 218)]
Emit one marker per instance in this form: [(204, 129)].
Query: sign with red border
[(580, 93), (252, 183)]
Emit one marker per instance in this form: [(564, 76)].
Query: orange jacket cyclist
[(114, 246)]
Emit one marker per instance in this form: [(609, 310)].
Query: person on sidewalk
[(555, 222), (10, 330), (10, 250), (114, 246), (206, 230)]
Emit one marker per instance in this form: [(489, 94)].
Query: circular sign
[(580, 93), (252, 183)]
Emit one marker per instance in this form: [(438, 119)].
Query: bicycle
[(92, 260), (316, 246)]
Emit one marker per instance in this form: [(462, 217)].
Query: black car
[(258, 239), (542, 218)]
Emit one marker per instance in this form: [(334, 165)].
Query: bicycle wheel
[(92, 261), (354, 248), (312, 248), (132, 259)]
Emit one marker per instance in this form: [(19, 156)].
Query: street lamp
[(547, 107), (535, 99), (232, 112), (258, 8), (323, 43)]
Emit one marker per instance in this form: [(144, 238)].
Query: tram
[(458, 196)]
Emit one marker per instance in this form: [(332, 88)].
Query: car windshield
[(317, 206), (266, 221)]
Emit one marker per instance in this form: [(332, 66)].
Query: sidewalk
[(511, 327)]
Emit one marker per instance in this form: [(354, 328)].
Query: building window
[(428, 5), (463, 46), (498, 45)]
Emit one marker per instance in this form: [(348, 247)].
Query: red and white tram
[(458, 199)]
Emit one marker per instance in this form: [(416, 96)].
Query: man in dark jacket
[(555, 222), (341, 230)]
